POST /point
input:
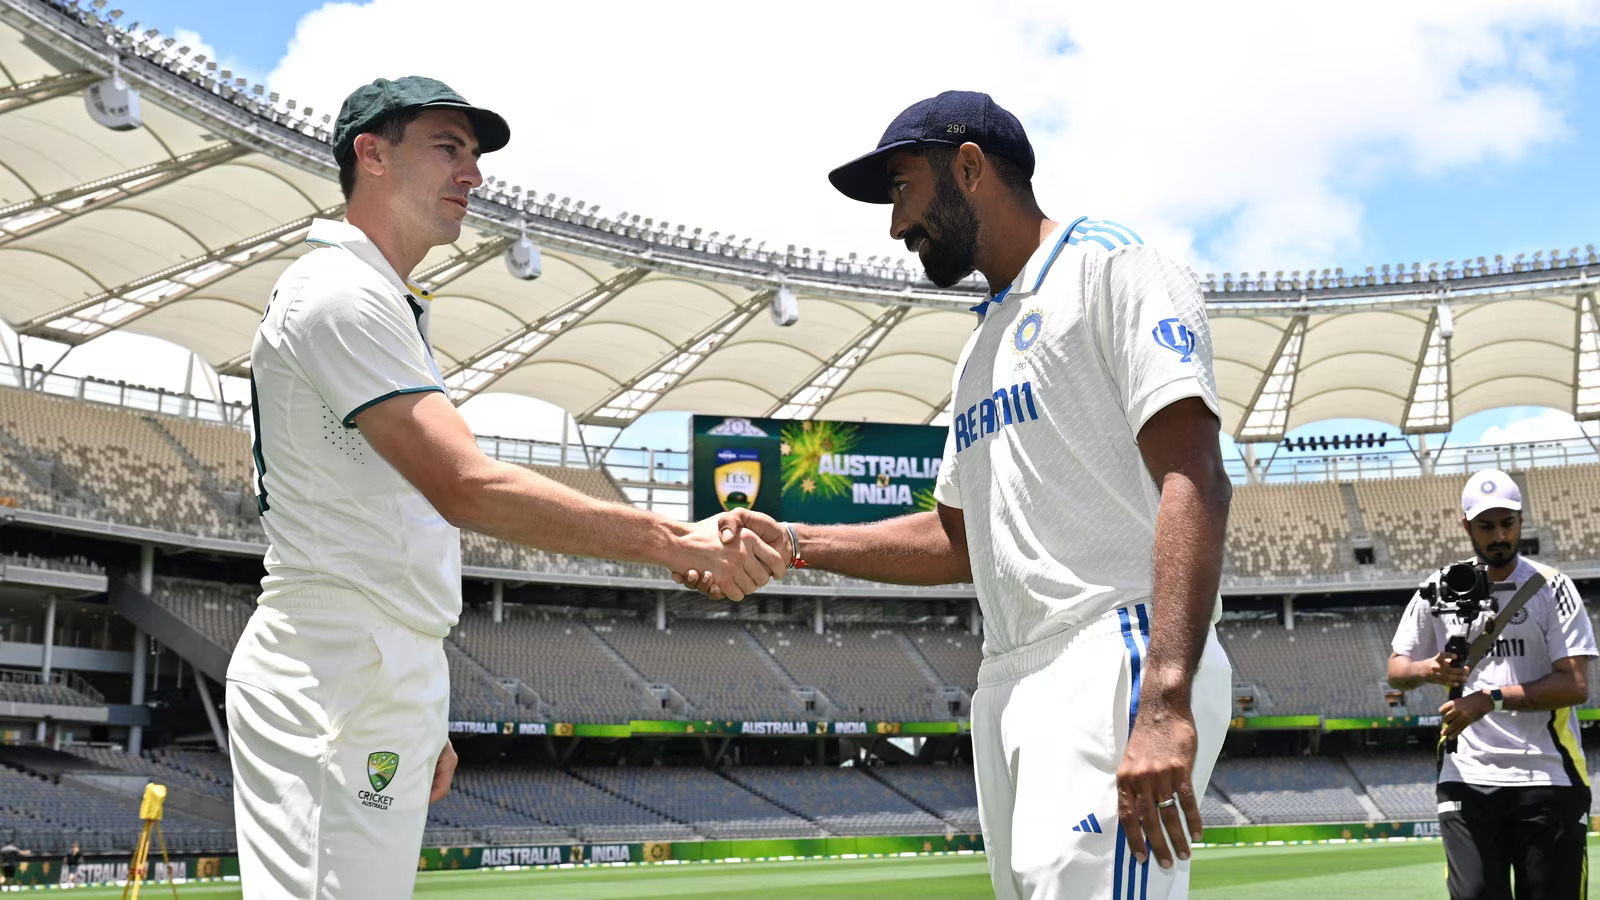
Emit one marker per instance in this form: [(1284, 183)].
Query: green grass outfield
[(1413, 869)]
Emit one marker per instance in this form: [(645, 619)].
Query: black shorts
[(9, 871), (1538, 833)]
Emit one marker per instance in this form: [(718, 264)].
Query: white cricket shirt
[(342, 332), (1513, 747), (1095, 335)]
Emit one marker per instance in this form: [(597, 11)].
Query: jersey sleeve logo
[(1175, 336)]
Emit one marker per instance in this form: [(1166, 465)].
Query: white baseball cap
[(1489, 489)]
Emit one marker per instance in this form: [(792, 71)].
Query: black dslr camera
[(1462, 592)]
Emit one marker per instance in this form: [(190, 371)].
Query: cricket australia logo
[(1175, 336), (381, 767)]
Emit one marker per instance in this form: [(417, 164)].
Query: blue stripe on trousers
[(1137, 873), (1116, 869)]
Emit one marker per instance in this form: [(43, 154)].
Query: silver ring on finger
[(1170, 801)]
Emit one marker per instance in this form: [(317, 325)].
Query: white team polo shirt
[(342, 332), (1513, 748), (1095, 335)]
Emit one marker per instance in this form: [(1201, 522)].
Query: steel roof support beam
[(1267, 416), (93, 316), (1430, 401), (636, 395), (485, 367), (33, 216), (1586, 361), (39, 90), (432, 278), (436, 277), (804, 401), (941, 409)]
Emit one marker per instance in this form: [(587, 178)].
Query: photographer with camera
[(1513, 788)]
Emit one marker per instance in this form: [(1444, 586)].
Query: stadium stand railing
[(154, 459), (59, 688)]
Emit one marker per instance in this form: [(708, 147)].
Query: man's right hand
[(731, 556), (751, 529), (1439, 670)]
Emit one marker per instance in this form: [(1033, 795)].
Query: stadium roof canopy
[(177, 228)]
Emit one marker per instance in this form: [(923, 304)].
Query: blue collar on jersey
[(1066, 234)]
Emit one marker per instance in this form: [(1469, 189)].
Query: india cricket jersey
[(343, 332), (1095, 335), (1513, 747)]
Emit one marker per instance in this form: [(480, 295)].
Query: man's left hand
[(1159, 765), (1458, 714), (443, 772)]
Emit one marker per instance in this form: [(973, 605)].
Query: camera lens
[(1461, 577)]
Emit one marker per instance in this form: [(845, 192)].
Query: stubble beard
[(953, 254)]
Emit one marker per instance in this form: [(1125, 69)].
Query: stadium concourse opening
[(594, 705)]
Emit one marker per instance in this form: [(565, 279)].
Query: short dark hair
[(392, 128), (1010, 174)]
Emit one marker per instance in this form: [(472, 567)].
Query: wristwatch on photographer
[(1498, 697)]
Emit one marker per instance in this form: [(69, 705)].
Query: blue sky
[(1504, 101)]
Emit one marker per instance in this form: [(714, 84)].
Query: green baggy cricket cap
[(369, 104)]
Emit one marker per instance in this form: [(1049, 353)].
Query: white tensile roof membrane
[(179, 227)]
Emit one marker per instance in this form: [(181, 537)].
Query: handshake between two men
[(752, 548)]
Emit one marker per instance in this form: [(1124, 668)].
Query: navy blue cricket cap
[(953, 117), (369, 104)]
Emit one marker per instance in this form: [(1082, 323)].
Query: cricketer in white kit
[(338, 692), (1082, 491)]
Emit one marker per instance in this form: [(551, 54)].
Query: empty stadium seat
[(1401, 784), (1298, 790), (555, 657), (715, 806), (1418, 520), (711, 664), (952, 652), (1331, 664), (1287, 529), (844, 801), (863, 670), (1565, 502)]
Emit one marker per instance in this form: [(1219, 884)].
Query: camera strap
[(1492, 626)]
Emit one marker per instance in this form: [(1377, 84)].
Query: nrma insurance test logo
[(737, 477)]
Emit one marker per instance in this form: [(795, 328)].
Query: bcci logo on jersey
[(1028, 330), (737, 477), (1175, 336)]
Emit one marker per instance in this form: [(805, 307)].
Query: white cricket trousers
[(336, 716), (1050, 722)]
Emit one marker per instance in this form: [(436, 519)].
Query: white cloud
[(1544, 425), (1258, 122), (1236, 135)]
